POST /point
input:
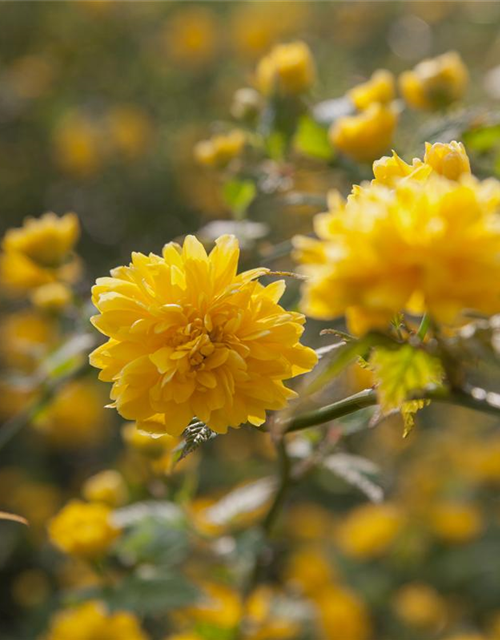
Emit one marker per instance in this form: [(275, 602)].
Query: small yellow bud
[(218, 151), (54, 296), (381, 87), (435, 83), (449, 160), (107, 487), (365, 136), (287, 70), (456, 523), (420, 605), (388, 170)]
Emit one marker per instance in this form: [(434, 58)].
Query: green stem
[(344, 407)]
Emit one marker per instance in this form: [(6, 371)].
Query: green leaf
[(150, 592), (311, 139), (400, 373), (356, 471), (239, 194), (483, 139)]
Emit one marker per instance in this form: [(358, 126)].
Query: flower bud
[(287, 70)]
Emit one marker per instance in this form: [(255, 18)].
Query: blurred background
[(101, 104)]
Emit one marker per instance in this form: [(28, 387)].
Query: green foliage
[(311, 139), (238, 195), (400, 373)]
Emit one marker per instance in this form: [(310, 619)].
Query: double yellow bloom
[(188, 337)]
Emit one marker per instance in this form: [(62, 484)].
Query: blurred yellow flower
[(130, 130), (435, 83), (145, 444), (191, 37), (449, 160), (220, 606), (40, 252), (77, 145), (369, 530), (75, 417), (381, 88), (288, 69), (309, 569), (91, 620), (435, 243), (189, 337), (27, 336), (53, 297), (30, 76), (342, 614), (30, 588), (262, 622), (420, 605), (365, 135), (220, 150), (455, 522), (84, 530), (107, 487)]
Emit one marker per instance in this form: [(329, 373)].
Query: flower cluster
[(426, 243)]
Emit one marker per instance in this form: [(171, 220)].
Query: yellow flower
[(107, 487), (75, 417), (221, 606), (83, 530), (309, 569), (342, 615), (366, 135), (78, 145), (219, 150), (40, 252), (420, 605), (189, 337), (130, 130), (27, 336), (455, 523), (435, 83), (287, 70), (191, 37), (91, 620), (53, 296), (429, 245), (380, 88), (449, 160), (369, 530), (145, 444)]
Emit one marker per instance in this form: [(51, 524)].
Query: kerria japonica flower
[(188, 337), (419, 238)]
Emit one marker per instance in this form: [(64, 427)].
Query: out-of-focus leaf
[(247, 231), (166, 512), (311, 139), (150, 592), (194, 436), (483, 139), (355, 471), (330, 110), (69, 356), (242, 500), (239, 194), (152, 540), (399, 374)]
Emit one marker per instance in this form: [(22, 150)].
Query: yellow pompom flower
[(456, 523), (366, 135), (52, 297), (287, 70), (420, 605), (107, 487), (369, 530), (84, 530), (435, 83), (189, 337), (381, 88), (431, 245), (218, 151), (91, 620), (40, 252)]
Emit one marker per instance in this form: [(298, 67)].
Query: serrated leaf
[(399, 374), (69, 356), (312, 140), (239, 194), (161, 510), (194, 436)]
